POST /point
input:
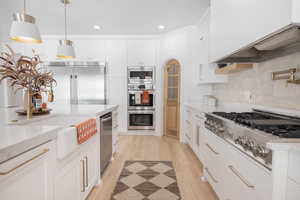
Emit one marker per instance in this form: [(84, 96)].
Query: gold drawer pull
[(211, 176), (83, 176), (210, 148), (24, 163), (87, 171), (240, 177)]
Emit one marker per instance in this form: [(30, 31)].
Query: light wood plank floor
[(188, 168)]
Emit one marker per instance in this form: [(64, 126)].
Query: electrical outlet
[(247, 96)]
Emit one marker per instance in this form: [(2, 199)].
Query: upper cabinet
[(90, 49), (237, 24), (201, 42), (142, 52)]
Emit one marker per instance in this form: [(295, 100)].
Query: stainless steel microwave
[(141, 74)]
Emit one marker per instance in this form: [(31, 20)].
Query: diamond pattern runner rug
[(147, 180)]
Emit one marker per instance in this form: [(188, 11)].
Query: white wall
[(119, 52), (180, 45)]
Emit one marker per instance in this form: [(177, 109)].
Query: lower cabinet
[(233, 175), (115, 131), (78, 173), (29, 175), (68, 181), (89, 166), (198, 124)]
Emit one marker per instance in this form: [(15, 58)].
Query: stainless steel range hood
[(280, 43)]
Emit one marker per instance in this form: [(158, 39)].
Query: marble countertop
[(19, 134), (18, 139), (8, 116)]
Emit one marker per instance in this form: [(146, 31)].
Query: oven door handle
[(141, 112)]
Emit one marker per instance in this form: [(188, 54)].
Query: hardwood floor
[(188, 168)]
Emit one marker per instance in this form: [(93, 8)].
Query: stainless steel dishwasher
[(105, 141)]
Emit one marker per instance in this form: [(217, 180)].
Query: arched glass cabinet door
[(172, 98)]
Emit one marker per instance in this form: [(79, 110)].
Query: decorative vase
[(28, 103)]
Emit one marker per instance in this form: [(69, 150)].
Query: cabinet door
[(236, 24), (29, 176), (90, 165), (206, 71), (141, 52), (115, 131), (90, 49), (68, 183)]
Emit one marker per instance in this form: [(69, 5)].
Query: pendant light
[(24, 29), (65, 49)]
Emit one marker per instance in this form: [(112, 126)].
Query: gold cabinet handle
[(240, 177), (86, 171), (210, 148), (211, 176), (83, 176), (24, 163)]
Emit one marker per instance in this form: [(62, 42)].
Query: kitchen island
[(41, 159)]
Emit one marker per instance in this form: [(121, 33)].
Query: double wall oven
[(141, 98)]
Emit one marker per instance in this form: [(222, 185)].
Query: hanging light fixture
[(65, 49), (24, 29)]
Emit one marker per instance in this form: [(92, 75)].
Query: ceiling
[(114, 16)]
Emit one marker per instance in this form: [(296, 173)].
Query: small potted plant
[(25, 73)]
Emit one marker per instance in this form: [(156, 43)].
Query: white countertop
[(9, 116), (17, 137)]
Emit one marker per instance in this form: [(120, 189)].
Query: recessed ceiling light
[(97, 27), (161, 27)]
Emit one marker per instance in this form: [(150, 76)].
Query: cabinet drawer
[(293, 190), (255, 180), (214, 162), (29, 176), (24, 161), (294, 166)]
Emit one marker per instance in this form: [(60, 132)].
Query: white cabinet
[(232, 174), (29, 176), (236, 24), (89, 165), (293, 190), (115, 131), (205, 70), (188, 127), (142, 52), (68, 182), (199, 136), (77, 174), (90, 49)]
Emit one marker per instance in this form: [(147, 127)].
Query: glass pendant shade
[(65, 49), (24, 29)]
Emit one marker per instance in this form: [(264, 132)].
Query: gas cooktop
[(251, 131), (277, 125)]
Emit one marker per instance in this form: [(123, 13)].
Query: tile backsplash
[(255, 86)]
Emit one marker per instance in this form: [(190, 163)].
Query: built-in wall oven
[(135, 100), (140, 74), (141, 119)]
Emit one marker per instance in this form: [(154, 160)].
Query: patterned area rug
[(147, 180)]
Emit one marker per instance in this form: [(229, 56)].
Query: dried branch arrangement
[(24, 72)]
